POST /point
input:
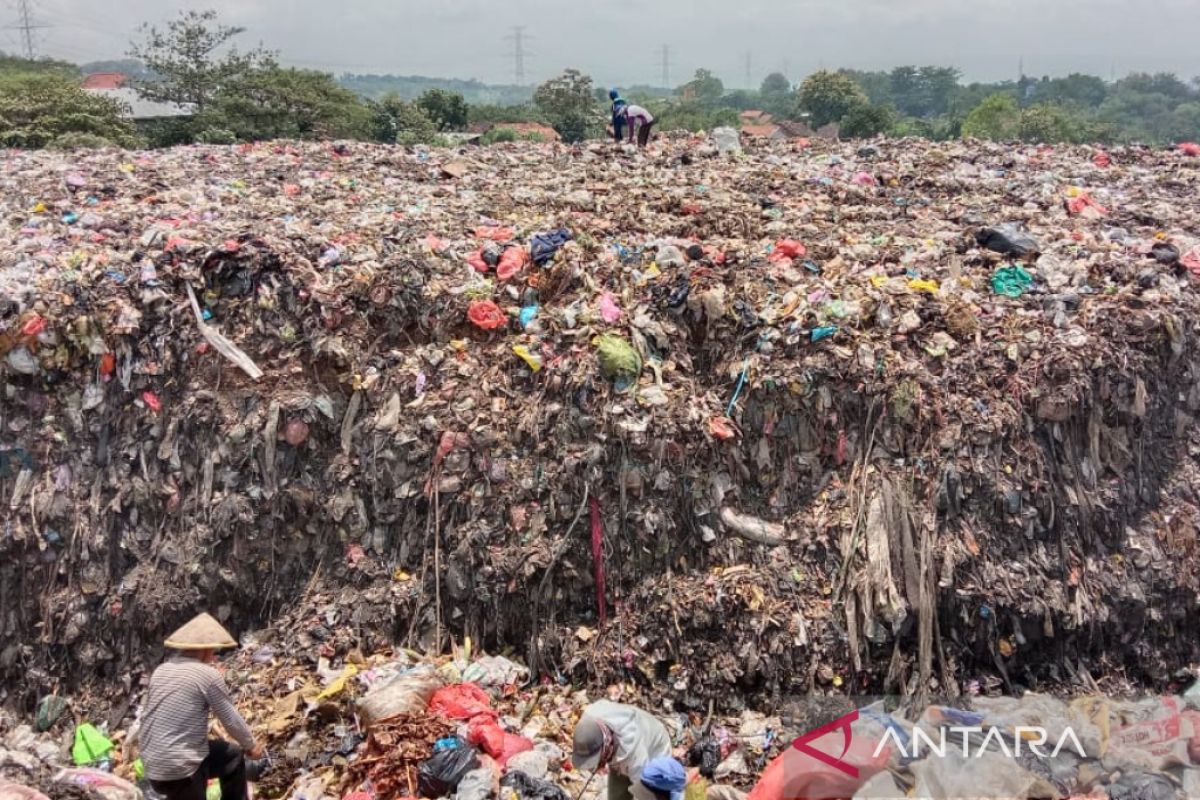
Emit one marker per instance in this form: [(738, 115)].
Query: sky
[(621, 42)]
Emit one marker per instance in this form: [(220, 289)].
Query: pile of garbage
[(724, 426)]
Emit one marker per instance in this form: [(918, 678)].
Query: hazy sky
[(620, 41)]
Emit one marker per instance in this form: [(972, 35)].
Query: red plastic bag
[(786, 250), (1083, 201), (461, 701), (497, 233), (1190, 148), (486, 315), (476, 261), (485, 732), (512, 261), (1102, 159), (151, 399), (35, 325)]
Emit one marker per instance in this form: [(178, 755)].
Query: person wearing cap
[(618, 121), (666, 778), (623, 738), (178, 756)]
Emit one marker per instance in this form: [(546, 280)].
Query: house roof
[(795, 130), (143, 109), (105, 80), (755, 116), (760, 131)]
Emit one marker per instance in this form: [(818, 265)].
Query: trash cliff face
[(775, 425)]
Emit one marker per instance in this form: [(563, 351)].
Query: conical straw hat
[(202, 633)]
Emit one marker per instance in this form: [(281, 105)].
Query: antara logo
[(1033, 738)]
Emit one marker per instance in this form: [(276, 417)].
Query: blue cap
[(613, 94), (665, 775)]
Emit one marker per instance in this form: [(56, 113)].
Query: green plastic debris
[(213, 792), (90, 745), (48, 711), (1011, 281), (619, 362), (139, 769)]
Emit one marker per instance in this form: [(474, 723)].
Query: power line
[(665, 63), (26, 24), (518, 38)]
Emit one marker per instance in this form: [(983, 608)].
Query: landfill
[(701, 426)]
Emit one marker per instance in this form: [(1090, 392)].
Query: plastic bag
[(486, 315), (529, 788), (475, 785), (727, 141), (498, 743), (494, 672), (543, 246), (407, 693), (49, 710), (534, 763), (618, 360), (461, 701), (705, 754), (511, 262), (110, 787), (986, 775), (90, 745), (441, 774), (786, 250), (1011, 281), (15, 791), (1008, 239), (1141, 786)]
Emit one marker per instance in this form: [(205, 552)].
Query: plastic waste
[(511, 262), (486, 315), (406, 693), (619, 362), (485, 732), (532, 360), (543, 246), (1142, 786), (475, 785), (528, 787), (1165, 253), (49, 709), (727, 141), (107, 785), (786, 250), (494, 672), (533, 763), (440, 774), (91, 746), (1011, 281), (460, 701), (705, 754), (1008, 239), (610, 312), (15, 791)]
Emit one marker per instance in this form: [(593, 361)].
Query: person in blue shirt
[(618, 119)]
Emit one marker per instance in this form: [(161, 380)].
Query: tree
[(567, 102), (705, 86), (997, 117), (1045, 124), (184, 58), (1086, 91), (1183, 124), (37, 108), (877, 85), (447, 109), (276, 103), (827, 97), (397, 121), (776, 84), (866, 120)]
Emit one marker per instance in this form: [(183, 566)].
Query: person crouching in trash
[(638, 120), (178, 756), (666, 778), (623, 738)]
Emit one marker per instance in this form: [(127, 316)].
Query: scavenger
[(618, 120), (666, 778), (640, 120), (623, 738), (178, 756)]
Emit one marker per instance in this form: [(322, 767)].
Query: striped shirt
[(174, 733)]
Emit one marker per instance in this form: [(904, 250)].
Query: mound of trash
[(887, 418)]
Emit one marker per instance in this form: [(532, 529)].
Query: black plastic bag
[(705, 754), (1009, 240), (440, 774), (1143, 787), (1165, 253), (528, 787)]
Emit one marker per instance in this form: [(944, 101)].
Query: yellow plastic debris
[(534, 362), (339, 683), (922, 285)]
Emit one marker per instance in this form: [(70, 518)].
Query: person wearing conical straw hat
[(178, 756)]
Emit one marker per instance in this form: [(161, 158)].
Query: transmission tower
[(26, 24), (518, 38), (665, 63)]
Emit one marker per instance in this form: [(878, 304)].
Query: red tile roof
[(760, 131), (105, 80)]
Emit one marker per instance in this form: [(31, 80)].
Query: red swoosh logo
[(801, 743)]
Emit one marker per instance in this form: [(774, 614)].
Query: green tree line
[(232, 95)]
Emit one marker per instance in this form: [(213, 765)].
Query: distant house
[(796, 130), (520, 128), (769, 132), (755, 117)]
